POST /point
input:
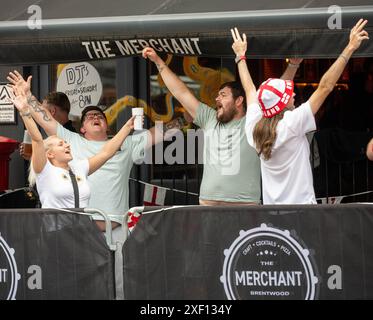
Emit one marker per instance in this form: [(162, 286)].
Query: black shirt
[(69, 126)]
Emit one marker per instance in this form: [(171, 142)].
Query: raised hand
[(17, 81), (130, 124), (358, 34), (151, 54), (22, 152), (19, 100), (296, 61), (239, 45)]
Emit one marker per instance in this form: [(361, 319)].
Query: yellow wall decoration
[(209, 79)]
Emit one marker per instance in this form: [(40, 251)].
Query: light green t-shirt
[(231, 166), (109, 184)]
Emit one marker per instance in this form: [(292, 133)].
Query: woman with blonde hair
[(278, 131), (61, 180)]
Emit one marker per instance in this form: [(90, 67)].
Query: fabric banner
[(272, 34), (50, 254), (254, 252), (263, 45)]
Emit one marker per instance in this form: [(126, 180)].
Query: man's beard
[(226, 116)]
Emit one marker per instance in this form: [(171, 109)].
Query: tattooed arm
[(40, 114)]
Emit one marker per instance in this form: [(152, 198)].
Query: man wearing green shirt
[(231, 172)]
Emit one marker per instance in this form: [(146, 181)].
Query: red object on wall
[(7, 146)]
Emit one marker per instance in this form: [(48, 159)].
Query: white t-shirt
[(55, 188), (109, 184), (287, 175)]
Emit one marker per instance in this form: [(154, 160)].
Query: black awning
[(293, 28)]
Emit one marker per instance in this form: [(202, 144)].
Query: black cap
[(91, 108)]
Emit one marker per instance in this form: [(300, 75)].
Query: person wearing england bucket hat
[(278, 131)]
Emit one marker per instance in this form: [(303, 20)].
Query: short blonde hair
[(48, 143)]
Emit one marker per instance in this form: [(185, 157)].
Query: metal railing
[(338, 160)]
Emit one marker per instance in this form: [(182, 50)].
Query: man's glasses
[(91, 116)]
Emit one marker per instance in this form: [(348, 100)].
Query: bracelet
[(343, 57), (177, 123), (293, 65), (239, 58), (160, 67)]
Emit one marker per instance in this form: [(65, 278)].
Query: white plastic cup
[(27, 143), (138, 112)]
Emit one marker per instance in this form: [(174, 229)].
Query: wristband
[(343, 57), (293, 65), (239, 58)]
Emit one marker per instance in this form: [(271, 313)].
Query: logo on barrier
[(9, 275), (268, 263)]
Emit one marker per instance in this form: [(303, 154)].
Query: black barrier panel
[(50, 254), (254, 252), (20, 198)]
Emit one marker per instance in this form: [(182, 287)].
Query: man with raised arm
[(231, 173), (278, 131)]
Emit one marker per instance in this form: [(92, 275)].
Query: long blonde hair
[(32, 175), (264, 134)]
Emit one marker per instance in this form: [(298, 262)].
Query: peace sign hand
[(358, 34), (239, 45)]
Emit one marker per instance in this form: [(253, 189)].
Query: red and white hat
[(274, 95)]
